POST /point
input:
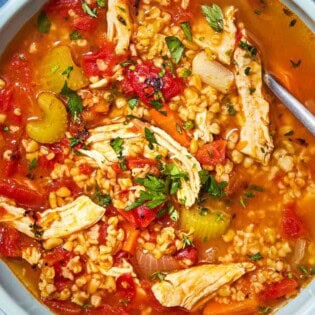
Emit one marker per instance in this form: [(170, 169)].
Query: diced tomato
[(106, 310), (22, 194), (65, 182), (142, 216), (10, 167), (212, 153), (126, 286), (278, 289), (145, 82), (107, 55), (102, 233), (63, 307), (292, 225), (179, 15), (58, 255), (190, 253), (62, 7), (9, 242), (85, 23), (86, 169), (139, 162)]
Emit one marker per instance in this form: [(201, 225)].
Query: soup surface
[(145, 169)]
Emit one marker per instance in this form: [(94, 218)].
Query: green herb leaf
[(175, 47), (101, 3), (211, 186), (55, 68), (156, 104), (157, 276), (188, 125), (303, 269), (250, 49), (172, 170), (256, 188), (214, 16), (247, 70), (293, 22), (264, 309), (86, 9), (43, 23), (186, 27), (74, 142), (133, 102), (74, 35), (186, 241), (149, 135), (295, 64), (243, 202), (256, 257), (126, 63), (100, 198), (185, 73), (230, 108), (32, 164), (117, 146), (249, 194), (67, 71), (173, 213), (74, 103), (5, 128)]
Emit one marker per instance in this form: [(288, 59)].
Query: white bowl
[(14, 298)]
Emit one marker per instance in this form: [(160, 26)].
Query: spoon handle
[(295, 106)]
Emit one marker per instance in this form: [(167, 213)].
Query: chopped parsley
[(133, 102), (55, 68), (37, 230), (185, 73), (247, 70), (75, 35), (43, 23), (214, 16), (186, 241), (293, 22), (256, 257), (295, 64), (67, 72), (186, 27), (100, 198), (32, 165), (230, 108), (264, 309), (289, 133), (127, 63), (157, 276), (149, 135), (211, 186), (173, 213), (117, 146), (74, 103), (5, 128), (156, 104), (175, 47), (188, 125), (86, 9), (101, 3), (250, 49), (74, 142)]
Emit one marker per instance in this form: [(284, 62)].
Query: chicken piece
[(185, 4), (192, 288), (53, 223), (221, 44), (119, 23), (133, 135), (255, 138)]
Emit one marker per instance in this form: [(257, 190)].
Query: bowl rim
[(14, 297)]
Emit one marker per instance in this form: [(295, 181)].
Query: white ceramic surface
[(14, 298)]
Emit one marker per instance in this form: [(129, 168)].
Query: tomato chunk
[(278, 289), (212, 153), (22, 194), (152, 84), (63, 307), (126, 286), (9, 242), (292, 225), (190, 253)]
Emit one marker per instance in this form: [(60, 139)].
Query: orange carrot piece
[(171, 124), (246, 307), (130, 243)]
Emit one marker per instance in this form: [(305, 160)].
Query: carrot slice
[(170, 123), (246, 307), (131, 237)]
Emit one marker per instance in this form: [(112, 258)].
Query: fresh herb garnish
[(257, 11), (133, 102), (289, 133), (74, 103), (255, 257), (186, 241), (86, 9), (149, 135), (74, 35), (117, 146), (295, 64), (55, 68), (175, 47), (157, 276), (188, 125), (185, 73), (67, 72), (100, 198), (293, 22), (43, 23), (303, 269), (264, 309), (156, 104), (173, 213), (5, 128), (230, 108), (126, 63), (186, 27), (74, 142), (32, 164), (37, 230), (250, 49), (101, 3), (243, 202), (247, 70), (214, 16), (211, 186)]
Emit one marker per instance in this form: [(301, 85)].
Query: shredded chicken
[(255, 137), (53, 223), (192, 288), (119, 23), (221, 44)]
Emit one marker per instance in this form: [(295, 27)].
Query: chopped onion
[(299, 252), (212, 72), (147, 264)]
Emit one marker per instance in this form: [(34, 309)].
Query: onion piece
[(212, 72), (298, 252), (147, 264)]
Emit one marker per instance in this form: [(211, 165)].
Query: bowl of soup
[(145, 166)]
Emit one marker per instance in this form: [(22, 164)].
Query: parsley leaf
[(156, 104), (211, 186), (74, 103), (186, 27), (173, 213), (214, 16), (74, 35), (86, 9), (32, 164), (157, 276), (67, 71), (264, 309), (175, 47), (101, 3), (185, 73), (117, 146), (295, 64), (255, 257), (247, 70), (250, 49), (43, 23), (149, 135), (133, 102), (188, 125), (186, 241), (100, 198), (230, 108)]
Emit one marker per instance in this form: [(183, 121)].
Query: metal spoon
[(295, 106)]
